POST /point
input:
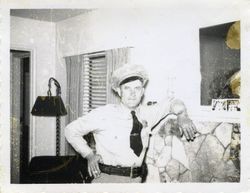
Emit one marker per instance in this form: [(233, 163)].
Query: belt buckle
[(131, 172)]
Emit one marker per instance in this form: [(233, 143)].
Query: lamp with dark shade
[(51, 106), (48, 106)]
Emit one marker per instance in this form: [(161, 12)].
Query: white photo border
[(5, 185)]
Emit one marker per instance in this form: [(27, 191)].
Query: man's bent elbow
[(68, 134)]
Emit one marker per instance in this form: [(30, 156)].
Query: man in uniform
[(121, 131)]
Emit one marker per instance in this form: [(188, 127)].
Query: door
[(20, 114)]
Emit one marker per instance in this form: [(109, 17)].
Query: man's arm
[(74, 133), (184, 122)]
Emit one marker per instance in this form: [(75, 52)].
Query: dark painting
[(220, 62)]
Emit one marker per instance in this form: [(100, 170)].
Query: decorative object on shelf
[(51, 106), (233, 36), (234, 83), (226, 105)]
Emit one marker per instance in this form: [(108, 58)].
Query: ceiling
[(52, 15)]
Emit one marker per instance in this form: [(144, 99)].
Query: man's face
[(131, 93)]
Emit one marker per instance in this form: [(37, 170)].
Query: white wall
[(165, 41), (39, 37)]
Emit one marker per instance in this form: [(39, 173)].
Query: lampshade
[(48, 106)]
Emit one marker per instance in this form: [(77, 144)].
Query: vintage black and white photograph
[(91, 122), (126, 96)]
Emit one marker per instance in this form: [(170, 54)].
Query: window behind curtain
[(88, 83), (94, 81)]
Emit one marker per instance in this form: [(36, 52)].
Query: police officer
[(121, 131)]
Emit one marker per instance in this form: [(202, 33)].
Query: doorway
[(20, 114)]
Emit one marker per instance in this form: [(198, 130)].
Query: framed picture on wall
[(220, 62)]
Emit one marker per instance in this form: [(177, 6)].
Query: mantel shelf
[(216, 116)]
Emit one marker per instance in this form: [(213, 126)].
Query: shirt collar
[(127, 111)]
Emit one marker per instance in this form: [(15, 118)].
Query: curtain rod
[(97, 52)]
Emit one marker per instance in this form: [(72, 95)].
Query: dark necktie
[(135, 135)]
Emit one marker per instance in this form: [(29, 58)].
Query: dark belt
[(132, 172)]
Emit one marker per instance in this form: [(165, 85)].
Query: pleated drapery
[(82, 72), (115, 58), (74, 67)]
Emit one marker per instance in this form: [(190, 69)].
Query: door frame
[(32, 136)]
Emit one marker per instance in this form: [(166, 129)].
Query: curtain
[(74, 92), (115, 58)]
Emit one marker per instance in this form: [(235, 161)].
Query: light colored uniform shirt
[(111, 126)]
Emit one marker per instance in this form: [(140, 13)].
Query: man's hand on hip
[(93, 164)]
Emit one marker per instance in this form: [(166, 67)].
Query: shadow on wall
[(214, 156)]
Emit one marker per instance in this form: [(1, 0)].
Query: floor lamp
[(51, 106)]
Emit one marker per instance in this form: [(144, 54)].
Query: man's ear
[(119, 91), (142, 91), (142, 95)]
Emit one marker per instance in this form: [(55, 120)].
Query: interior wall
[(39, 37), (165, 41)]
